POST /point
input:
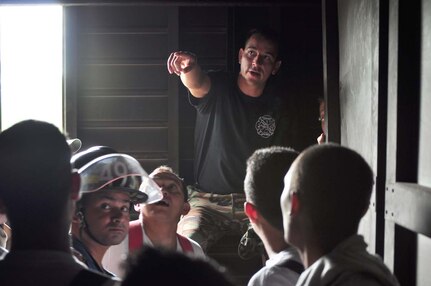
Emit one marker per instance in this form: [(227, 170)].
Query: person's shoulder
[(197, 249), (359, 279), (274, 276)]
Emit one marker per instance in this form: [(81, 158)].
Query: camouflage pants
[(212, 216)]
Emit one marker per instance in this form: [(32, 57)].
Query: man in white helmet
[(110, 182)]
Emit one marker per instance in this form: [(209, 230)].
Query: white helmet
[(102, 168)]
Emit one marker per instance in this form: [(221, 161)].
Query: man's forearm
[(196, 81)]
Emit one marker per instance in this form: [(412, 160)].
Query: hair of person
[(167, 172), (264, 183), (35, 172), (268, 34), (334, 186), (153, 266)]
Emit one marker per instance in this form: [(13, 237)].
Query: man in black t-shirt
[(236, 114)]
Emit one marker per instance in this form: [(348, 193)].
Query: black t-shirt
[(230, 126)]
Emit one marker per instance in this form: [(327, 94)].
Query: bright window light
[(31, 59)]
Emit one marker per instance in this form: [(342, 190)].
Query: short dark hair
[(334, 186), (268, 34), (35, 171), (264, 184), (164, 267), (168, 173)]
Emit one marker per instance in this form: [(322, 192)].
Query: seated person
[(237, 113), (263, 186), (38, 191), (151, 266), (157, 223), (110, 183), (326, 192)]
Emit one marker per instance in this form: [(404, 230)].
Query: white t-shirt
[(274, 274)]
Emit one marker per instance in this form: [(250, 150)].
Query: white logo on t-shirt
[(265, 126)]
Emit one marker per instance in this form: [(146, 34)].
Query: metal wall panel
[(122, 85), (408, 200), (358, 38)]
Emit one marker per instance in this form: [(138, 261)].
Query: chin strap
[(84, 226)]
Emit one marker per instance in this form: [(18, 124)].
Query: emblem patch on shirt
[(265, 126)]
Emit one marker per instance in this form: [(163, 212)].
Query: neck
[(273, 240), (97, 250), (309, 255), (249, 88), (162, 234), (316, 247)]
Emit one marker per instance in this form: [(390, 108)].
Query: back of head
[(263, 183), (35, 172), (334, 186), (153, 266)]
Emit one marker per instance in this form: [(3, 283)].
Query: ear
[(137, 207), (240, 53), (250, 211), (76, 185), (276, 67), (77, 217), (186, 208), (294, 204)]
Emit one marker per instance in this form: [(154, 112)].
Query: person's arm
[(184, 64)]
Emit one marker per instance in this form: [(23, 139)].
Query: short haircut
[(35, 172), (166, 172), (334, 186), (151, 266), (268, 34), (264, 183)]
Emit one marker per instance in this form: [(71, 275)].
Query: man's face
[(171, 207), (258, 60), (107, 216)]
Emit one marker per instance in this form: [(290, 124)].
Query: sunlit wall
[(31, 57)]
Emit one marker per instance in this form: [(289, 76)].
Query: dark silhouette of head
[(35, 174), (152, 266)]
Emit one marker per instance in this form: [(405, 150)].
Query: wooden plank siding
[(123, 89)]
